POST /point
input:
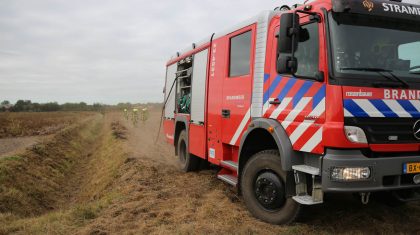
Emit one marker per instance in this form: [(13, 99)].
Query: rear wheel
[(263, 185), (188, 162)]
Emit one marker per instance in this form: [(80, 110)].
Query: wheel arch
[(181, 123), (258, 138)]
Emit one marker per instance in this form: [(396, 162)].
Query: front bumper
[(386, 173)]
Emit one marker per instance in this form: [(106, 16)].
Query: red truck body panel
[(312, 113)]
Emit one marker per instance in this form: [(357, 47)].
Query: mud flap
[(290, 184)]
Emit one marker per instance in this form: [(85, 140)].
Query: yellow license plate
[(411, 168)]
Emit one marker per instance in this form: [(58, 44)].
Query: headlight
[(350, 173), (355, 134)]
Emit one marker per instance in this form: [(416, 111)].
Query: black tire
[(187, 161), (266, 167)]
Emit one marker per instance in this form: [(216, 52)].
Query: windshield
[(368, 49)]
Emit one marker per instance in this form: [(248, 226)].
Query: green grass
[(11, 158)]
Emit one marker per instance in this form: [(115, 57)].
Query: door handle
[(274, 101), (225, 113)]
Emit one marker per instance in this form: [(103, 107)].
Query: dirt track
[(160, 199)]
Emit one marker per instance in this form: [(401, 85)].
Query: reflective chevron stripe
[(297, 98), (381, 108), (241, 127)]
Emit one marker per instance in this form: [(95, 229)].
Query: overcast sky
[(104, 51)]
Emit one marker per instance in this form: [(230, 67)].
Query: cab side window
[(409, 53), (307, 53), (240, 55)]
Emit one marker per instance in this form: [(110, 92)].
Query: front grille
[(385, 130)]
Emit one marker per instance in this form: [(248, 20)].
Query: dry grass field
[(35, 124), (19, 131), (106, 176)]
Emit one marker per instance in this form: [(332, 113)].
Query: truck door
[(301, 107), (237, 85)]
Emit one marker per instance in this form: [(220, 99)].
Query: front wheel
[(188, 162), (263, 185)]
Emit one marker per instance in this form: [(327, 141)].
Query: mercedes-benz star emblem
[(416, 130)]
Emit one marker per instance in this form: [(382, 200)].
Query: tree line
[(29, 106)]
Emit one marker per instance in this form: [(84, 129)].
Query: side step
[(302, 195), (306, 200), (230, 179), (307, 169), (231, 165)]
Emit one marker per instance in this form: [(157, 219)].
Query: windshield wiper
[(380, 71), (366, 69)]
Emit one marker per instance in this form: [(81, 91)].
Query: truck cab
[(318, 98)]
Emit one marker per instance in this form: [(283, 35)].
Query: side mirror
[(287, 43), (289, 27), (286, 64)]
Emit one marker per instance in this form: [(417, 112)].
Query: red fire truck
[(298, 102)]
